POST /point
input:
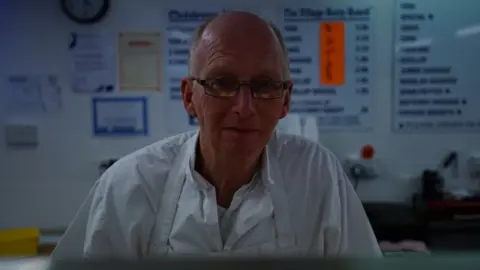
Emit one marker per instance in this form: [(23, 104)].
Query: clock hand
[(86, 4)]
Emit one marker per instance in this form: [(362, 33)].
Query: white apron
[(284, 241)]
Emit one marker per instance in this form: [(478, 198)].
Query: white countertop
[(37, 263), (49, 239)]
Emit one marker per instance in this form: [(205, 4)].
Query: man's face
[(240, 124)]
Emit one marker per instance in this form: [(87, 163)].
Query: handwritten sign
[(332, 53)]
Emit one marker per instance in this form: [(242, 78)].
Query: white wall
[(45, 186)]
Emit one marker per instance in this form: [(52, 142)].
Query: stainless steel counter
[(413, 262)]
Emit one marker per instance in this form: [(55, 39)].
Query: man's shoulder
[(313, 166), (290, 145), (160, 152), (144, 170)]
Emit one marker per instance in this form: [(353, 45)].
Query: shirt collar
[(199, 181)]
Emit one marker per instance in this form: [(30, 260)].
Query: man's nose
[(244, 105)]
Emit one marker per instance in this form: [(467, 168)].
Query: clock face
[(85, 11)]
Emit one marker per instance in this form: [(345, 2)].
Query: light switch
[(21, 135)]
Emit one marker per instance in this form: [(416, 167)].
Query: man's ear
[(187, 96), (286, 100)]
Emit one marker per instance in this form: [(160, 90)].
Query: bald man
[(235, 186)]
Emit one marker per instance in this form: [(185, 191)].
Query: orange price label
[(332, 53)]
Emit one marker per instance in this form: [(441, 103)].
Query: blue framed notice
[(120, 116)]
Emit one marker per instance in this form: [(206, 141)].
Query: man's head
[(238, 86)]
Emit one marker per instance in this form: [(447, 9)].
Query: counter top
[(37, 263)]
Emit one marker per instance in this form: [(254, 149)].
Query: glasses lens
[(222, 87), (266, 89), (228, 87)]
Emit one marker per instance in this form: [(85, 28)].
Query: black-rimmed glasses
[(226, 87)]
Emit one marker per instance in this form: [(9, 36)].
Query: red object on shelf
[(451, 210), (367, 152), (453, 203)]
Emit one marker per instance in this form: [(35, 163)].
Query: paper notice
[(140, 61), (93, 62), (33, 94)]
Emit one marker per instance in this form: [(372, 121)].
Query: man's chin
[(237, 147), (236, 134)]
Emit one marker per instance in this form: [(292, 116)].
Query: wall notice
[(139, 61), (29, 94), (330, 51), (120, 116), (436, 66), (93, 62)]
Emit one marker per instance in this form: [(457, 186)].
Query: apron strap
[(272, 179), (170, 197)]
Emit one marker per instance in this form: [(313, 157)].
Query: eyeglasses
[(229, 87)]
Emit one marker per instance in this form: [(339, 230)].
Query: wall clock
[(85, 11)]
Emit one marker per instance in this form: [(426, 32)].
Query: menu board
[(437, 66), (330, 49)]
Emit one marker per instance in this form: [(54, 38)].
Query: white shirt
[(152, 203), (223, 223)]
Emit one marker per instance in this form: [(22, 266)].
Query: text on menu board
[(428, 95), (329, 51)]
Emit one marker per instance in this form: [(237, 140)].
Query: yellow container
[(19, 242)]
